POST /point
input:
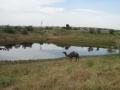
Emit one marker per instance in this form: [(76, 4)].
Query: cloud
[(26, 5), (31, 12), (46, 46), (86, 18), (87, 10), (98, 18), (48, 9), (27, 11)]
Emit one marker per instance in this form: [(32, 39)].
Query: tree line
[(26, 29)]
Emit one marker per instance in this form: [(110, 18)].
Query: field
[(89, 73), (61, 37)]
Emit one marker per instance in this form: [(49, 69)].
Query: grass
[(89, 73), (69, 37), (81, 38)]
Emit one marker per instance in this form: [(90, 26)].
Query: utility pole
[(41, 23)]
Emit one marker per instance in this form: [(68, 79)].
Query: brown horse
[(72, 54)]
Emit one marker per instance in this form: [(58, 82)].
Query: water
[(28, 51)]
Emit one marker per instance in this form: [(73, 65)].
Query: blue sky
[(80, 13), (108, 6)]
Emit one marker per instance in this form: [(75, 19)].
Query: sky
[(76, 13)]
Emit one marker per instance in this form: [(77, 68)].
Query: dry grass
[(90, 73)]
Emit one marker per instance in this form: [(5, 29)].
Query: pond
[(29, 51)]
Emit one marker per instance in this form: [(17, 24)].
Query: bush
[(48, 28), (91, 30), (8, 29), (29, 28), (18, 28), (25, 31), (111, 31), (99, 31), (6, 80)]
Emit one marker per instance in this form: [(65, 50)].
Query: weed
[(26, 71), (118, 68), (88, 63), (103, 61), (71, 68), (6, 80), (16, 71)]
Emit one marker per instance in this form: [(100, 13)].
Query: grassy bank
[(61, 37), (89, 73), (84, 38)]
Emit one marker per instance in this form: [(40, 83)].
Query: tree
[(68, 26)]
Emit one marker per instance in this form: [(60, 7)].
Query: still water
[(28, 51)]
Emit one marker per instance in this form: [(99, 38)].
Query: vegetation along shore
[(59, 35)]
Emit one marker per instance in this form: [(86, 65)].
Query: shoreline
[(55, 59)]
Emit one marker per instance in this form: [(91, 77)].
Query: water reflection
[(97, 49), (26, 44), (25, 51), (90, 49), (10, 46), (67, 47), (111, 50)]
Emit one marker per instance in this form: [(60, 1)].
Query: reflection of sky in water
[(45, 51)]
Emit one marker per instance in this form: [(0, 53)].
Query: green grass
[(89, 73), (61, 37), (85, 38)]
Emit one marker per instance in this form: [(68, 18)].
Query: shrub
[(29, 28), (25, 31), (8, 29), (98, 30), (49, 28), (6, 80), (111, 31), (91, 30), (18, 28)]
